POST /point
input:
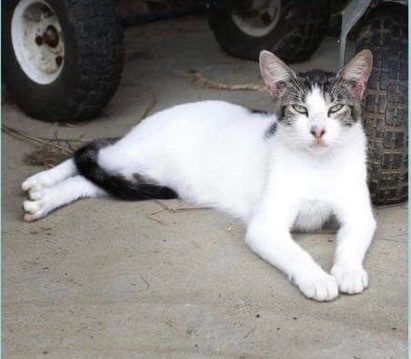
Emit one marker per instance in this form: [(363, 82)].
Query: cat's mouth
[(318, 145)]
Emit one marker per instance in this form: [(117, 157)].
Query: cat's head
[(315, 109)]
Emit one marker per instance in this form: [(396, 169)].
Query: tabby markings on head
[(333, 90)]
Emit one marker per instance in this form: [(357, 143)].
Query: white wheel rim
[(260, 18), (37, 41)]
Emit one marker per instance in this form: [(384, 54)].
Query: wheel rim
[(257, 18), (37, 41)]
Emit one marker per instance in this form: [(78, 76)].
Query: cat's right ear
[(275, 73)]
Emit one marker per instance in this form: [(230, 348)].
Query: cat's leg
[(353, 239), (268, 234), (50, 177), (45, 200)]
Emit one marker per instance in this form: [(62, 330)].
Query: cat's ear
[(275, 73), (357, 71)]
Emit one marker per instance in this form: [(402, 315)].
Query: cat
[(290, 169)]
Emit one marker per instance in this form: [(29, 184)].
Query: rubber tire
[(299, 32), (94, 57), (385, 33)]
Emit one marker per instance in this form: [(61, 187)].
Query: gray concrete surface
[(111, 279)]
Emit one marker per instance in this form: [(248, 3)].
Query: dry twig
[(39, 140), (204, 82), (24, 136), (49, 153)]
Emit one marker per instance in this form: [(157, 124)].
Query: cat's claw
[(320, 286), (351, 280)]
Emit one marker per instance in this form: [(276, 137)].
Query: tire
[(293, 29), (385, 115), (78, 56)]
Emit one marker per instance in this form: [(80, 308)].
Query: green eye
[(335, 108), (300, 109)]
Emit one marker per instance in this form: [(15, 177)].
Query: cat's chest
[(318, 182), (316, 194)]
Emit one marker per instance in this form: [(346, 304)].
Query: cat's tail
[(116, 185)]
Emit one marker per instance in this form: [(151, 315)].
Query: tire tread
[(386, 104), (298, 38)]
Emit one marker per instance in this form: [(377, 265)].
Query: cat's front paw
[(350, 279), (318, 285)]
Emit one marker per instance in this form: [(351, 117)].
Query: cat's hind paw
[(319, 286), (37, 182), (351, 280), (40, 204), (33, 210), (49, 178)]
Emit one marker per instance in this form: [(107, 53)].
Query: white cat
[(289, 169)]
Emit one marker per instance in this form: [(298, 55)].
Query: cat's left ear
[(275, 73), (357, 71)]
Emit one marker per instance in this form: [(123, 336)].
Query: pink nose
[(317, 132)]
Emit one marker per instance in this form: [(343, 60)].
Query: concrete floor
[(111, 279)]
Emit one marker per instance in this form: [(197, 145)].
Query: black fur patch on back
[(85, 159), (270, 131), (260, 112), (273, 127)]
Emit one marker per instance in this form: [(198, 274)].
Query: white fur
[(216, 154), (44, 199)]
